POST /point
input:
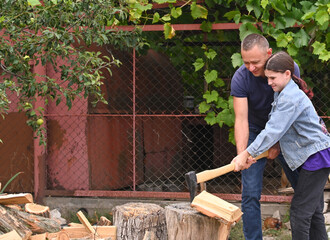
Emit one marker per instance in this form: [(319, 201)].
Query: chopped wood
[(19, 198), (214, 206), (13, 235), (104, 222), (86, 223), (37, 209), (81, 232), (15, 206), (75, 225), (42, 236), (26, 224), (62, 235)]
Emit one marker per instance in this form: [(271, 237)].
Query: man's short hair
[(252, 40)]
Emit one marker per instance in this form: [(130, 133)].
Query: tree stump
[(134, 219), (185, 223)]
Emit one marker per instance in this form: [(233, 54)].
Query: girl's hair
[(280, 62)]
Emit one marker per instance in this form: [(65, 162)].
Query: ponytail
[(303, 86)]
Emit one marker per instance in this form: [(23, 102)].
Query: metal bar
[(181, 27), (124, 115), (134, 121), (160, 195)]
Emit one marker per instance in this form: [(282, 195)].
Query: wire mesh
[(151, 132)]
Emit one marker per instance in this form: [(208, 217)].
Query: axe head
[(191, 181)]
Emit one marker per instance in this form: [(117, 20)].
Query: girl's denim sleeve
[(284, 112)]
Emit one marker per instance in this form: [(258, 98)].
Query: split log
[(81, 232), (184, 222), (19, 198), (42, 236), (86, 223), (13, 235), (134, 219), (24, 223), (104, 222), (15, 206), (37, 209)]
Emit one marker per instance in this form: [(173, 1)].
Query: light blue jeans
[(251, 192)]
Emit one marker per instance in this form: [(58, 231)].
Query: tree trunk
[(25, 224), (134, 219), (185, 223)]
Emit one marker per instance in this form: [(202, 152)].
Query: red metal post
[(134, 121)]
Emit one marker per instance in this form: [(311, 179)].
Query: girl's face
[(278, 80)]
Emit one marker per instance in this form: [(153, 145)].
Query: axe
[(192, 179)]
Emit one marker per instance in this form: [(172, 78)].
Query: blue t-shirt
[(259, 94)]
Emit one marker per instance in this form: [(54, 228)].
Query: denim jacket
[(293, 122)]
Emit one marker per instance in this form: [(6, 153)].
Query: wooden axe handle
[(210, 174)]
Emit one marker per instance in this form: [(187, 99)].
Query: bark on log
[(25, 224), (185, 223), (134, 219)]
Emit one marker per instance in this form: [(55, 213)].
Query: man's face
[(255, 59)]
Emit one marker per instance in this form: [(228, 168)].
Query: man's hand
[(274, 151), (243, 161)]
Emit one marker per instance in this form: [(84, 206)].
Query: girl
[(294, 122)]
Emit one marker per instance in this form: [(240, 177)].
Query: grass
[(236, 233)]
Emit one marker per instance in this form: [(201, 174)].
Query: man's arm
[(241, 123)]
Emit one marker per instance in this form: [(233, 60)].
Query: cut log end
[(37, 209)]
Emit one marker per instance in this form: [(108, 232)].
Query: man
[(252, 103)]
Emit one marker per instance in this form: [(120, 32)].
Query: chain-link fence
[(151, 133)]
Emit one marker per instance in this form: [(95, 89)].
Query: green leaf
[(246, 29), (282, 40), (322, 17), (211, 96), (279, 6), (230, 15), (166, 17), (222, 103), (176, 12), (253, 5), (279, 22), (210, 118), (292, 50), (168, 31), (318, 47), (210, 76), (231, 136), (34, 2), (198, 64), (211, 54), (219, 83), (155, 18), (237, 60), (203, 107), (308, 15), (198, 11), (301, 38), (227, 117), (206, 26), (264, 3)]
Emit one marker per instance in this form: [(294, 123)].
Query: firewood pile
[(22, 219)]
